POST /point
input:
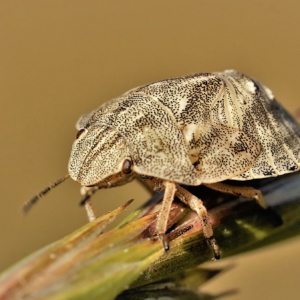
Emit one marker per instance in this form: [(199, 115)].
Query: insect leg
[(241, 191), (161, 225), (90, 210), (87, 192), (197, 205)]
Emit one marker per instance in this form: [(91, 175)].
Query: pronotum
[(197, 129)]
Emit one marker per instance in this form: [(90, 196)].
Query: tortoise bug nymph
[(199, 129)]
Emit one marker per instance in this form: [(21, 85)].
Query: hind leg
[(241, 191), (197, 205)]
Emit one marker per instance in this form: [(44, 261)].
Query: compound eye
[(79, 133), (126, 168)]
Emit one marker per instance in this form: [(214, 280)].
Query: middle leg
[(162, 221), (197, 205)]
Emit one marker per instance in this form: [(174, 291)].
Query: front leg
[(86, 193)]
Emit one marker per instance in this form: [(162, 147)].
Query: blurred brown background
[(60, 59)]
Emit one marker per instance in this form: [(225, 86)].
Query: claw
[(215, 248), (165, 241)]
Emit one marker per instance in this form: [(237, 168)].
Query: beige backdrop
[(60, 59)]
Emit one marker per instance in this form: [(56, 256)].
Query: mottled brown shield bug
[(199, 129)]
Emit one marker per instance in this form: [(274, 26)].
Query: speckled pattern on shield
[(201, 128), (198, 129)]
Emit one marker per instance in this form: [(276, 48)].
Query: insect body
[(198, 129)]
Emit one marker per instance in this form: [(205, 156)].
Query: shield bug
[(199, 129)]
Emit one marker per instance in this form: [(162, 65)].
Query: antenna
[(27, 205)]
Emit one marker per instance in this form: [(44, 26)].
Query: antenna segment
[(27, 206)]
